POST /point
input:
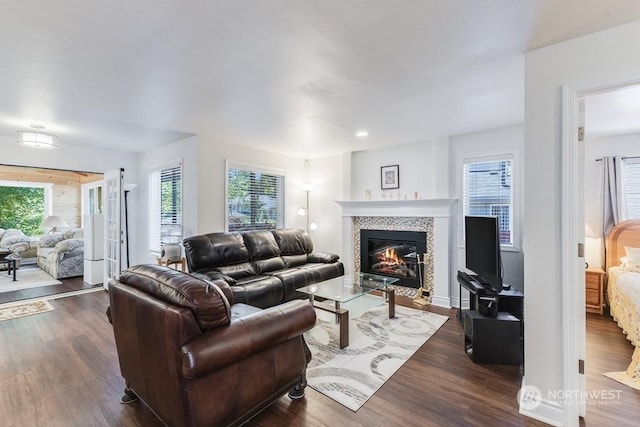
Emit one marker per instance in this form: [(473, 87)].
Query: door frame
[(573, 313)]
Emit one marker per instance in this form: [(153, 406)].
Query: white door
[(580, 326), (113, 235)]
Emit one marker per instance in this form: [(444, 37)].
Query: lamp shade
[(53, 221)]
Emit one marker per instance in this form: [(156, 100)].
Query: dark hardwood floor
[(60, 369), (68, 285)]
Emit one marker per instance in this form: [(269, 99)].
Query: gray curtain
[(613, 210)]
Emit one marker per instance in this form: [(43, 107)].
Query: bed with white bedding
[(623, 291)]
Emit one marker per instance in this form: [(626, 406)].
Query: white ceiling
[(298, 77)]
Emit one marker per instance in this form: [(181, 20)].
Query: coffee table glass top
[(348, 287)]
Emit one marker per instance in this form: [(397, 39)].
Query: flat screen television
[(482, 250)]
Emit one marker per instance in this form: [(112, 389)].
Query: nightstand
[(594, 288)]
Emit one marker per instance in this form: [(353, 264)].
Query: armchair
[(62, 254), (196, 358), (13, 241)]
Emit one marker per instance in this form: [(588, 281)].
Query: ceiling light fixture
[(36, 138), (362, 134)]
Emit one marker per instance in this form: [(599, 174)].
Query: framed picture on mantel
[(390, 177)]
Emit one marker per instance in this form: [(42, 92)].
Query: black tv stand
[(496, 339)]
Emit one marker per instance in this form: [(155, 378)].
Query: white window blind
[(255, 198), (631, 182), (165, 207), (488, 191)]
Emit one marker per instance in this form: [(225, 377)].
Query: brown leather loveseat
[(263, 267), (197, 359)]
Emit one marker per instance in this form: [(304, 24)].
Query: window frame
[(625, 164), (514, 207), (230, 164), (156, 204), (48, 192)]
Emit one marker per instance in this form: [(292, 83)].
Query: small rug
[(630, 377), (623, 378), (378, 347), (24, 309), (27, 277)]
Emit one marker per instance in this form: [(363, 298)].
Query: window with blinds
[(255, 198), (165, 207), (631, 182), (488, 191)]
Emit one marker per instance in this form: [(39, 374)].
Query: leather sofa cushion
[(263, 250), (210, 301), (259, 291), (295, 260), (237, 271), (292, 241), (261, 244), (215, 249)]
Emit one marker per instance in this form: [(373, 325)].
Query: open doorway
[(611, 130), (573, 237), (41, 206)]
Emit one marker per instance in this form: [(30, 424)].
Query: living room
[(430, 167)]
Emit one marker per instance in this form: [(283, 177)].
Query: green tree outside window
[(22, 208)]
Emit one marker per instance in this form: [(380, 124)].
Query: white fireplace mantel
[(410, 208), (441, 210)]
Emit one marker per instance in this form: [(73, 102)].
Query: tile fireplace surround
[(433, 216)]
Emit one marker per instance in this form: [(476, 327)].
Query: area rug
[(630, 377), (378, 347), (31, 277), (25, 309)]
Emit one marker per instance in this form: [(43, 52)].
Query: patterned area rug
[(27, 277), (378, 347), (25, 309)]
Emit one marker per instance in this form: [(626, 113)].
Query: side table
[(182, 263), (11, 261), (594, 290)]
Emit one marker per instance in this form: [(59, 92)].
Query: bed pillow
[(632, 267), (623, 261), (633, 255)]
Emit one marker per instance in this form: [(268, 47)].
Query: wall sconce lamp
[(307, 188)]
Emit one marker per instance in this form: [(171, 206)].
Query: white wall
[(595, 148), (185, 151), (416, 166), (497, 142), (591, 59)]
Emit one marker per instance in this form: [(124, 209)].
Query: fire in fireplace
[(393, 253)]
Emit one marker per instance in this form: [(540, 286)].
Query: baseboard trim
[(546, 411), (441, 301)]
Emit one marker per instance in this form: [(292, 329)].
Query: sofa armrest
[(70, 245), (246, 336), (323, 257), (19, 247)]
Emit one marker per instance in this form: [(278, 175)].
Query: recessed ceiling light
[(362, 134)]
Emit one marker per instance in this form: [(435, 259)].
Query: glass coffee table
[(347, 288)]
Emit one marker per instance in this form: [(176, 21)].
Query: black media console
[(491, 339)]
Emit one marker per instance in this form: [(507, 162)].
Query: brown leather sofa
[(195, 357), (263, 267)]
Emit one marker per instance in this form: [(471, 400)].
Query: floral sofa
[(62, 254), (14, 241)]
